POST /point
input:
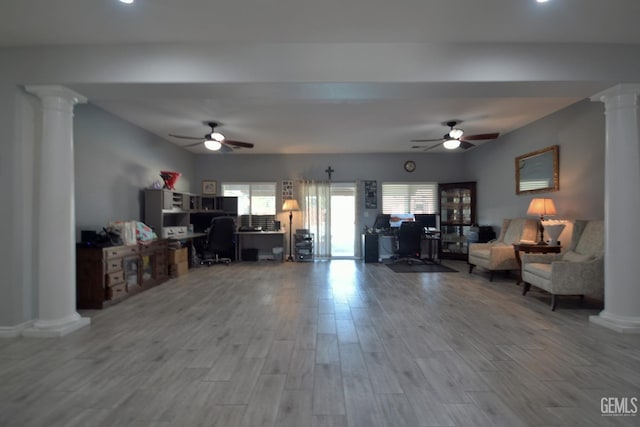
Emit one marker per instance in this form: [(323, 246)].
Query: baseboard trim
[(14, 331), (621, 324)]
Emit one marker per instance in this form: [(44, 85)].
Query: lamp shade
[(541, 207), (290, 205)]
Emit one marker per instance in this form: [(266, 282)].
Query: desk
[(534, 249), (264, 241), (432, 242)]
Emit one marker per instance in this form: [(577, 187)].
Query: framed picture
[(370, 195), (209, 187), (287, 189)]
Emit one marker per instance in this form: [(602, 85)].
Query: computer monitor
[(429, 221), (395, 220), (382, 222)]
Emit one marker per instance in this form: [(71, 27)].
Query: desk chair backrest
[(221, 239), (410, 238)]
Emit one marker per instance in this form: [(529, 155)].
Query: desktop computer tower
[(370, 247)]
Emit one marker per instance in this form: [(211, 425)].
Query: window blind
[(254, 198), (414, 197)]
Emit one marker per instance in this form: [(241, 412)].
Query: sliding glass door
[(343, 219)]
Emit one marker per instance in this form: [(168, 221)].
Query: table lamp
[(541, 207), (290, 205)]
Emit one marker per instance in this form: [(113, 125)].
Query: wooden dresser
[(108, 275)]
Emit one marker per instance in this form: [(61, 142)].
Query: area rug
[(403, 267)]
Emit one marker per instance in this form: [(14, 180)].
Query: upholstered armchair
[(577, 271), (499, 254)]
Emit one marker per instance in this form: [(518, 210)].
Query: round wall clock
[(409, 165)]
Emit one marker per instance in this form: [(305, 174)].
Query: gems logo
[(619, 406)]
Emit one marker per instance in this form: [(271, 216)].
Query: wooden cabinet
[(457, 215), (107, 275)]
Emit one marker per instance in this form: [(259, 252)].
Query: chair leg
[(527, 286), (471, 268), (554, 302)]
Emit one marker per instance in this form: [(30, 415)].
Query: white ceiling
[(334, 115)]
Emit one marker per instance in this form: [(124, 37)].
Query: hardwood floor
[(338, 343)]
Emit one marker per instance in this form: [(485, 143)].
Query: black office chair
[(220, 246), (409, 242)]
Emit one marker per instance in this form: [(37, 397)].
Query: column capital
[(616, 91), (48, 91)]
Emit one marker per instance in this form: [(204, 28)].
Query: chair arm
[(541, 258), (502, 257), (474, 246), (585, 277)]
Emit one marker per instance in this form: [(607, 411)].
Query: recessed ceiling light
[(542, 1), (126, 1)]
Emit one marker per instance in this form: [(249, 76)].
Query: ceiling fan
[(454, 139), (215, 141)]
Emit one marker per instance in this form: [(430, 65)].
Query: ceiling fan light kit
[(451, 144), (456, 133), (212, 144), (217, 136)]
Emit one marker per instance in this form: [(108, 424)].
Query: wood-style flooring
[(338, 343)]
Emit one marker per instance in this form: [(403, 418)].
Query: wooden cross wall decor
[(329, 171)]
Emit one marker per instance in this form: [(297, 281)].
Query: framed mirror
[(537, 172)]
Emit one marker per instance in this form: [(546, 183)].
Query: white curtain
[(315, 204)]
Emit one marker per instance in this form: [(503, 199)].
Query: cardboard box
[(178, 269), (177, 256)]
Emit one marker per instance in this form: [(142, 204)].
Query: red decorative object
[(169, 179)]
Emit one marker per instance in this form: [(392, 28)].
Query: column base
[(56, 328), (621, 324)]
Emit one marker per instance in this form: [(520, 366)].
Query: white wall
[(114, 162), (348, 168), (579, 130)]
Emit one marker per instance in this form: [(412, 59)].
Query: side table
[(533, 249)]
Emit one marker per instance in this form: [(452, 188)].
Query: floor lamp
[(290, 205)]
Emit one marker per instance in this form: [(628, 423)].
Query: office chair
[(409, 242), (220, 241)]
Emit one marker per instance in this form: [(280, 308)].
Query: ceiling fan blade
[(426, 140), (193, 145), (186, 137), (465, 145), (432, 147), (238, 143), (225, 149), (480, 137)]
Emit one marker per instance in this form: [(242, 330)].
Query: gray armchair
[(577, 271), (499, 254)]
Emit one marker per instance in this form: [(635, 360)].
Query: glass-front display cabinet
[(457, 215)]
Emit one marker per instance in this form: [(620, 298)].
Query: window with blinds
[(256, 201), (414, 197)]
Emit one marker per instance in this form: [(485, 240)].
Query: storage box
[(177, 256), (250, 254), (178, 269)]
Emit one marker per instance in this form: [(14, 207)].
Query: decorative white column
[(56, 268), (622, 207)]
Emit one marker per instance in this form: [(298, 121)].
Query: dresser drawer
[(114, 278), (117, 291), (120, 251), (112, 264)]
